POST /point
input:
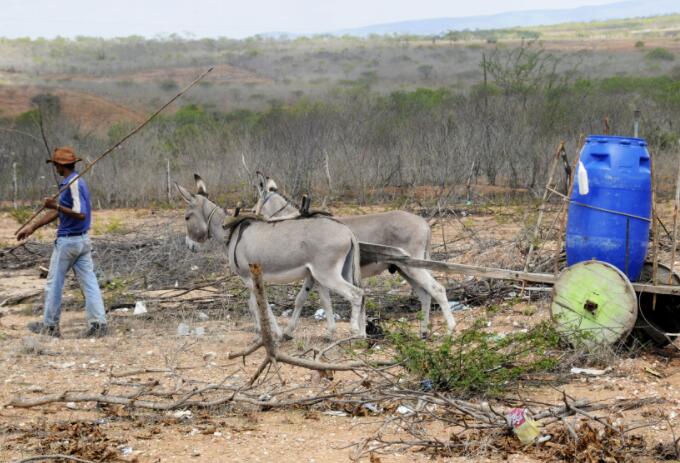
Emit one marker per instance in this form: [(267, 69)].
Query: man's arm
[(53, 204), (28, 229)]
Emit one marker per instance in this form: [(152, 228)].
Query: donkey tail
[(351, 270), (428, 244)]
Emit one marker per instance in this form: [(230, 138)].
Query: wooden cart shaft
[(391, 255)]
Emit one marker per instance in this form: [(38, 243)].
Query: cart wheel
[(593, 303), (654, 321)]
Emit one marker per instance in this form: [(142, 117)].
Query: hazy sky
[(240, 18)]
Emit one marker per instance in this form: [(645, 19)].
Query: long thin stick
[(47, 145), (655, 230), (54, 457), (675, 223), (565, 209), (15, 185), (123, 140), (541, 208), (610, 211)]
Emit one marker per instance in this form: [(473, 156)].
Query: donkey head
[(199, 213), (266, 190)]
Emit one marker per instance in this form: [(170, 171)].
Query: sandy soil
[(238, 434)]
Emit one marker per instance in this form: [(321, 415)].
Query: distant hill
[(618, 10)]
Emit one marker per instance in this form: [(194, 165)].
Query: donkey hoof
[(286, 337)]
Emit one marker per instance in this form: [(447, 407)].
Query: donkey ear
[(186, 195), (261, 182), (201, 187), (271, 185)]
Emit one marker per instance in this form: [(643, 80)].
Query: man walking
[(72, 249)]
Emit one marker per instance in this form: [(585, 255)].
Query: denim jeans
[(73, 252)]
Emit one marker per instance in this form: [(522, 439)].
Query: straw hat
[(64, 155)]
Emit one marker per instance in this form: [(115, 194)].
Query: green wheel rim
[(593, 303)]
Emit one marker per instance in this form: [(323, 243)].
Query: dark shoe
[(41, 328), (96, 330)]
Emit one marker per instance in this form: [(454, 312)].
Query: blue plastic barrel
[(611, 222)]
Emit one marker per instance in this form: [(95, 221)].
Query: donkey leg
[(427, 283), (254, 310), (299, 302), (351, 293), (278, 334), (325, 297), (425, 303), (252, 307)]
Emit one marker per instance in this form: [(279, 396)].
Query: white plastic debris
[(335, 413), (589, 371), (140, 308), (182, 414), (371, 407), (183, 329), (194, 268), (122, 310), (404, 410), (320, 314), (287, 313), (126, 450), (203, 316), (456, 306), (62, 366)]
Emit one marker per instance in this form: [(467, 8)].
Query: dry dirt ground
[(33, 366)]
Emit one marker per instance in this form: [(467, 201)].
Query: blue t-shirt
[(77, 198)]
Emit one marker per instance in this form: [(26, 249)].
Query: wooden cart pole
[(541, 207), (675, 223), (565, 206), (655, 230)]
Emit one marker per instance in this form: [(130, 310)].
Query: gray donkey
[(399, 229), (323, 250)]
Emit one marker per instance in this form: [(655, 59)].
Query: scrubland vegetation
[(361, 119)]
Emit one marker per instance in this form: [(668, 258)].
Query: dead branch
[(271, 346), (54, 457), (19, 298)]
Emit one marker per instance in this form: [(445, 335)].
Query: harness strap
[(281, 209), (210, 216), (269, 196), (239, 229)]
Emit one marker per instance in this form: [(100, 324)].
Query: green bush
[(419, 100), (476, 362), (660, 54), (168, 85)]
